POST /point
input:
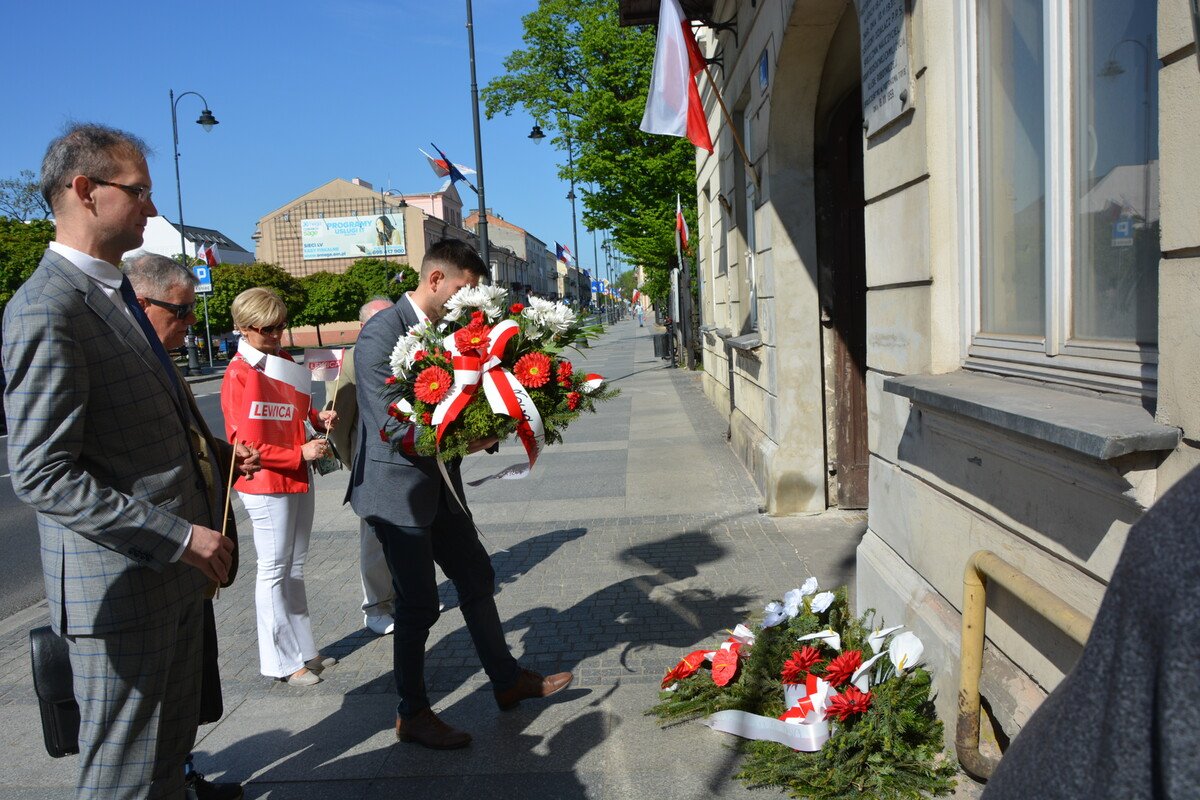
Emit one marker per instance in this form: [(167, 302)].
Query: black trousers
[(453, 544)]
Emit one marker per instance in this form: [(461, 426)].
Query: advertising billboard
[(353, 237)]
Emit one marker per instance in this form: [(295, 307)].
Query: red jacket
[(284, 470)]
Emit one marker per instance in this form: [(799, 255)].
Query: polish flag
[(681, 225), (673, 105), (210, 255)]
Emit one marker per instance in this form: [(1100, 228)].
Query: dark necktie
[(127, 294)]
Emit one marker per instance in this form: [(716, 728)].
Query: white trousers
[(282, 527), (378, 594)]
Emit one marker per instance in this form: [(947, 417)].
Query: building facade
[(162, 237), (952, 284)]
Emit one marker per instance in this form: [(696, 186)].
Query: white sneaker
[(382, 624)]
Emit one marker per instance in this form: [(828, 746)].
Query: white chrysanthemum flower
[(549, 316), (791, 602), (406, 348), (821, 602), (488, 299)]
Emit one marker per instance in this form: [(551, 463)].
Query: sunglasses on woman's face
[(270, 330)]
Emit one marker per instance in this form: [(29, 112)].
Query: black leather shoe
[(427, 730), (530, 685), (196, 788)]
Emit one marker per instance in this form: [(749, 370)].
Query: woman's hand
[(328, 418), (311, 451)]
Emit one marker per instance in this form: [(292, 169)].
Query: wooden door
[(843, 253)]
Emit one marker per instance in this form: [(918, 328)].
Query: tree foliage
[(21, 248), (584, 78), (21, 199), (381, 278), (328, 298), (230, 280)]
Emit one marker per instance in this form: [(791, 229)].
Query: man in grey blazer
[(99, 446), (418, 521)]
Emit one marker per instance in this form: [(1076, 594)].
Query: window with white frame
[(1060, 134)]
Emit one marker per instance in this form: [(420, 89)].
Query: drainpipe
[(981, 566)]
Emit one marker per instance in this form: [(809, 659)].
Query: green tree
[(585, 78), (329, 298), (378, 277), (21, 198), (230, 280), (627, 282), (21, 248)]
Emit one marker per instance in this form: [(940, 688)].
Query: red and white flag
[(681, 225), (209, 254), (673, 106), (272, 412), (324, 363), (442, 166)]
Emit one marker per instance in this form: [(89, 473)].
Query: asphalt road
[(21, 568)]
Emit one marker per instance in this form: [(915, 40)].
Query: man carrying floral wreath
[(420, 520)]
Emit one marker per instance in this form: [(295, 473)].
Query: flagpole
[(737, 137), (481, 226)]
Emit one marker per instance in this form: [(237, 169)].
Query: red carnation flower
[(472, 337), (532, 370), (851, 701), (841, 668), (516, 308), (690, 663), (724, 666), (476, 317), (389, 380), (427, 418), (801, 661), (395, 412), (417, 356), (383, 437), (564, 369), (573, 399), (432, 385)]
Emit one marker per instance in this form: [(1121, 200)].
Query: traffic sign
[(204, 275)]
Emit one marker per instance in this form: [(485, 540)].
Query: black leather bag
[(52, 681), (56, 698)]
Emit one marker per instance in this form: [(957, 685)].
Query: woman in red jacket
[(278, 498)]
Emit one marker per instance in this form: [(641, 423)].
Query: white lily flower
[(743, 634), (877, 637), (828, 636), (905, 651), (774, 615), (821, 602), (861, 679), (809, 587)]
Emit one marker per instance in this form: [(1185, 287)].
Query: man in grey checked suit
[(407, 505), (99, 446)]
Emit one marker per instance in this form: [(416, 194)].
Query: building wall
[(944, 483)]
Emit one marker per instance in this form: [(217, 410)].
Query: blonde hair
[(259, 307)]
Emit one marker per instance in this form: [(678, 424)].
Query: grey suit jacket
[(385, 484), (98, 447)]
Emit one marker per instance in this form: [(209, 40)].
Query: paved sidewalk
[(633, 542)]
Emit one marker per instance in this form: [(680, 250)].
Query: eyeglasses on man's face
[(270, 330), (180, 311), (139, 193)]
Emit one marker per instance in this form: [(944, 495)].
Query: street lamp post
[(481, 226), (537, 136), (206, 121)]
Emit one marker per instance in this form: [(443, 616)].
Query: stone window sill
[(1094, 426), (748, 343)]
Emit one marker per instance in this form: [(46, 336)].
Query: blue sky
[(305, 91)]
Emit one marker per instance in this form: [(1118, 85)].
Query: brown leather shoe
[(426, 729), (529, 685)]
